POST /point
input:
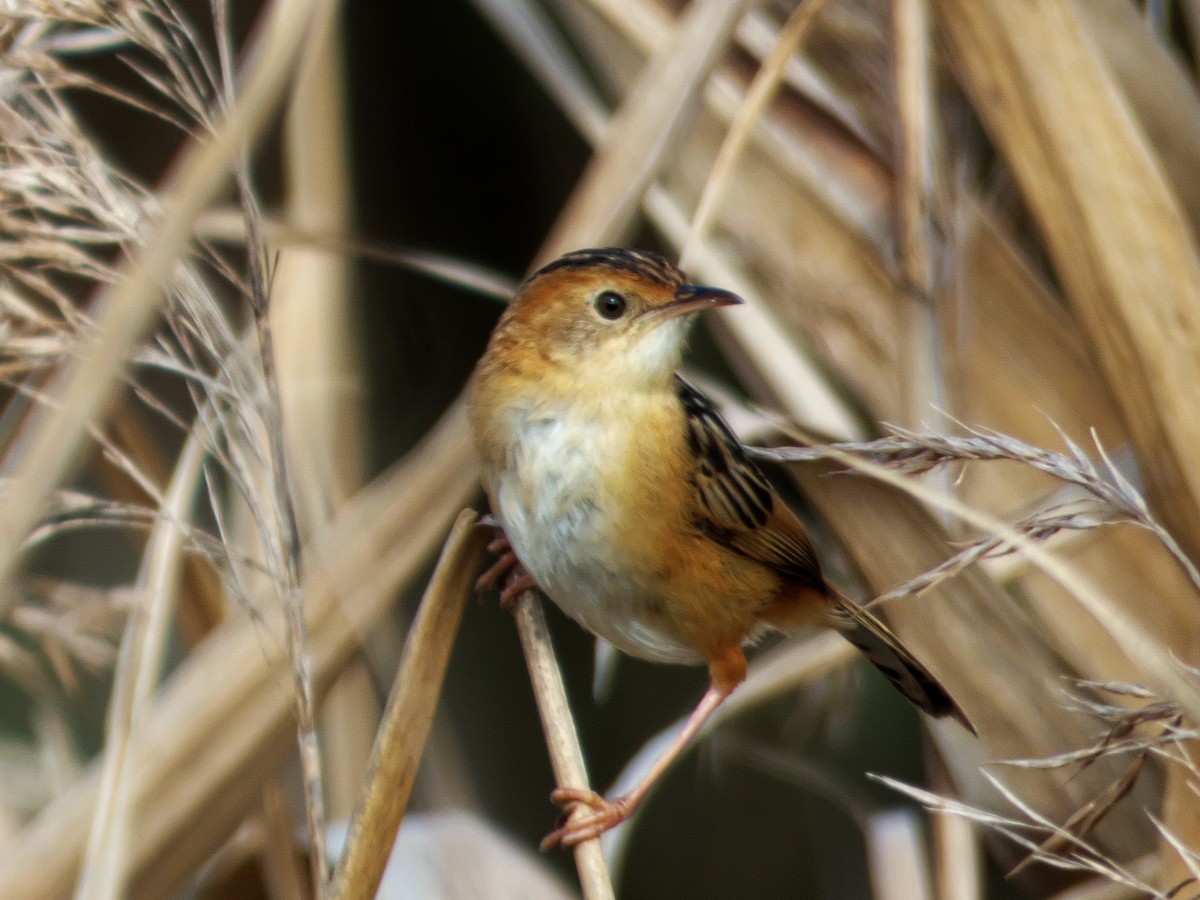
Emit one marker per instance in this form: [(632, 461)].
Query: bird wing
[(738, 509), (737, 506)]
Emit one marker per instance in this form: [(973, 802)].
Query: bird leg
[(726, 672), (507, 566)]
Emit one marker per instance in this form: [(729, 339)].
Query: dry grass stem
[(562, 740), (758, 96), (104, 874), (409, 714), (641, 133), (896, 853)]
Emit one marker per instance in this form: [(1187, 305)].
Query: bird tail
[(885, 650)]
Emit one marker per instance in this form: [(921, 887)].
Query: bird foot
[(605, 814), (506, 566), (519, 581)]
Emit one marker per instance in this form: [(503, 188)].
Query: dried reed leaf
[(313, 318), (1114, 228), (1111, 223), (1005, 330), (1157, 88), (223, 721), (916, 161)]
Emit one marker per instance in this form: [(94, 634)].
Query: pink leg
[(726, 672)]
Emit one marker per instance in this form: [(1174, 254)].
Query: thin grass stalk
[(959, 873), (105, 870), (758, 96), (221, 724), (317, 341), (915, 166), (897, 857), (409, 714), (50, 438), (227, 226), (562, 740), (1100, 888), (289, 554), (644, 128)]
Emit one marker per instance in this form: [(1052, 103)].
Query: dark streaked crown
[(643, 263)]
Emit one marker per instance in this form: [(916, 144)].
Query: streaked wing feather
[(738, 507)]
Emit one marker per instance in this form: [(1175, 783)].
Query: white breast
[(560, 520)]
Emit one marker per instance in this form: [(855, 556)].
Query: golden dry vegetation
[(967, 235)]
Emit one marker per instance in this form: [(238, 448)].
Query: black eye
[(611, 305)]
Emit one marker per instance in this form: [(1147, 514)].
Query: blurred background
[(944, 217)]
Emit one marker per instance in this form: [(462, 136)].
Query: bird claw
[(507, 566), (501, 567), (519, 581), (605, 814)]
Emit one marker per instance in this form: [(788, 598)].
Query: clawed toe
[(497, 570), (606, 814), (518, 583), (506, 566)]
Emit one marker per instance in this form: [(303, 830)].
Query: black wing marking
[(736, 502)]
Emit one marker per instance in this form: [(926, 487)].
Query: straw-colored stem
[(642, 131), (409, 714), (562, 741), (914, 173), (760, 93), (105, 866)]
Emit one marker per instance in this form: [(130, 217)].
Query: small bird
[(624, 496)]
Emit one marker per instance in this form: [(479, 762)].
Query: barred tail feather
[(881, 646)]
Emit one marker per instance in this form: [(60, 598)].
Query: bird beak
[(690, 298)]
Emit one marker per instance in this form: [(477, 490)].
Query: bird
[(620, 492)]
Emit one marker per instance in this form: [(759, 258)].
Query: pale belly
[(562, 520)]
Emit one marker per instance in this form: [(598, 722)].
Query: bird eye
[(611, 305)]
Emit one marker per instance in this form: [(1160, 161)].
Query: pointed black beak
[(690, 298)]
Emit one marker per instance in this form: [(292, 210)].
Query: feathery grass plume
[(69, 215)]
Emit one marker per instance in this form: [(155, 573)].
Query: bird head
[(623, 313)]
